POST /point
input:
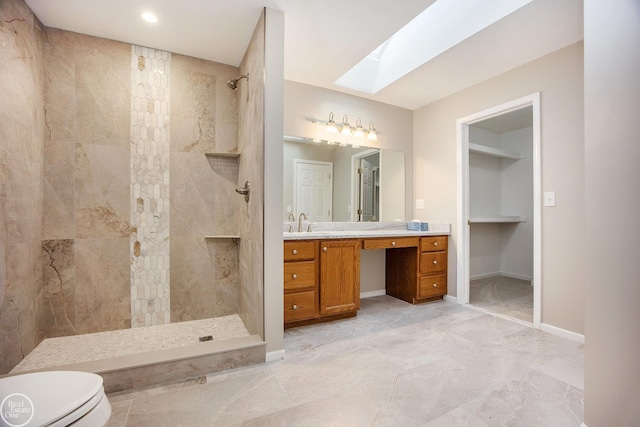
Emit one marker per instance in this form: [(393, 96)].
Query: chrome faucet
[(291, 217), (300, 218)]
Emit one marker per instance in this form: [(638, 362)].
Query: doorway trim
[(354, 180), (463, 254)]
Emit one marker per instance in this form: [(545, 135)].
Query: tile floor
[(503, 295), (395, 364)]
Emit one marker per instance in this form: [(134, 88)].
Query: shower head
[(233, 83)]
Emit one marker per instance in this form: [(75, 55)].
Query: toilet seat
[(59, 398)]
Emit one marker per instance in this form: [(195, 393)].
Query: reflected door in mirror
[(313, 189)]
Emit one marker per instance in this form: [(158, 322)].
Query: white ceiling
[(324, 39)]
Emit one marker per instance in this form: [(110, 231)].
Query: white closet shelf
[(222, 237), (495, 152), (234, 155), (497, 219)]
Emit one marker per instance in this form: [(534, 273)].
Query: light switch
[(550, 198), (419, 203)]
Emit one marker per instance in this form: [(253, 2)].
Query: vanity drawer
[(299, 275), (432, 286), (433, 262), (435, 243), (390, 243), (299, 250), (300, 306)]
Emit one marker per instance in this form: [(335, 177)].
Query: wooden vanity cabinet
[(419, 273), (321, 280), (339, 276), (300, 280), (432, 281)]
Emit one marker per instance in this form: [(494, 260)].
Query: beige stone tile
[(20, 331), (119, 413), (204, 278), (103, 98), (59, 288), (102, 199), (59, 194), (203, 110), (60, 49), (203, 201), (103, 293)]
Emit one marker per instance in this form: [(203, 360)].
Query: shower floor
[(61, 351)]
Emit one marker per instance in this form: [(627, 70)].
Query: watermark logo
[(17, 410)]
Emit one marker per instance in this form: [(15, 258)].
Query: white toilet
[(55, 399)]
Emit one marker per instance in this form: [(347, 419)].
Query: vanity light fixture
[(149, 17), (343, 134), (359, 133), (346, 128), (372, 135), (331, 125)]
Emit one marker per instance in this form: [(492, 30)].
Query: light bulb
[(372, 135), (331, 125), (359, 133), (346, 129)]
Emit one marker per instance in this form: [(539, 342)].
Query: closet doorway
[(499, 214)]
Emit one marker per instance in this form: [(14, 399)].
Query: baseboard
[(273, 356), (554, 330), (451, 298), (517, 276), (373, 294), (485, 275), (503, 274)]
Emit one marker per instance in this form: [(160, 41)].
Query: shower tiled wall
[(21, 131), (251, 142), (204, 120), (85, 248), (149, 171)]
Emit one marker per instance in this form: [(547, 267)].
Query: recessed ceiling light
[(149, 17)]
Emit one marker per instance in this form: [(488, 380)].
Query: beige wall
[(612, 151), (558, 77), (21, 211)]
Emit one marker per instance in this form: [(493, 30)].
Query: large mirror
[(342, 183)]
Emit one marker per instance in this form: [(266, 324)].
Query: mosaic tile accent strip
[(62, 351), (150, 95)]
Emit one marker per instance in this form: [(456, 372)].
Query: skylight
[(440, 27)]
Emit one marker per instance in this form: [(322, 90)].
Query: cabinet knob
[(435, 262), (435, 285), (393, 243), (324, 249), (435, 243), (295, 276), (294, 307), (295, 251)]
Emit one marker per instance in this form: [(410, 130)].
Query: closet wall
[(501, 187)]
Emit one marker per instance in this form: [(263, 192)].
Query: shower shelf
[(222, 237)]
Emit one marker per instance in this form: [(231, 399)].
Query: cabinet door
[(339, 276)]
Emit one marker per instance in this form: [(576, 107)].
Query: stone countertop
[(363, 230)]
